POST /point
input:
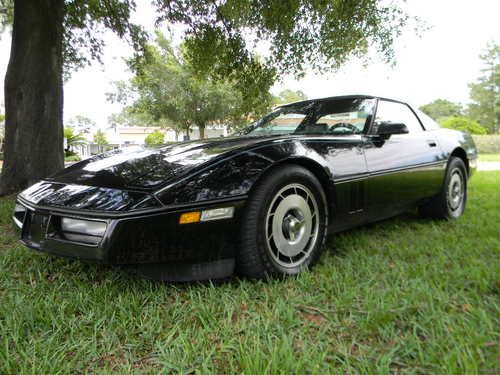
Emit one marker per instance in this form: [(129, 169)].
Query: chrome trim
[(366, 175)]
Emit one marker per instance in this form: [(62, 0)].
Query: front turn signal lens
[(190, 217)]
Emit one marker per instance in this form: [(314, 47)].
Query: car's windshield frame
[(312, 111)]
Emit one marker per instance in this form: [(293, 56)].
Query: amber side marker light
[(190, 217), (207, 215)]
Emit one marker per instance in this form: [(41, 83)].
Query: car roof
[(342, 97)]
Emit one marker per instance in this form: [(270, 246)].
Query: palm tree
[(73, 139)]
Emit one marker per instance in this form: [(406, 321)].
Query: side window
[(397, 113), (429, 124), (348, 116)]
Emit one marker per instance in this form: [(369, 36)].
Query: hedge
[(487, 144)]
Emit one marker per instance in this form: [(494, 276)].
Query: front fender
[(236, 175)]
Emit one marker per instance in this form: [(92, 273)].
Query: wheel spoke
[(292, 225)]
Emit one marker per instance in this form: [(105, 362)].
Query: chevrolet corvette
[(259, 203)]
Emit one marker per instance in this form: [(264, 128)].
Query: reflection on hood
[(146, 168)]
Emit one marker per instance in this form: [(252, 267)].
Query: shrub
[(69, 153), (72, 158), (487, 144), (463, 124), (155, 138)]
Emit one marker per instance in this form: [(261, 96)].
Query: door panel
[(346, 161), (403, 168)]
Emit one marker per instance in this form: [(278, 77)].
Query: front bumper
[(135, 239)]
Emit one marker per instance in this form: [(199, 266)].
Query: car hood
[(146, 169)]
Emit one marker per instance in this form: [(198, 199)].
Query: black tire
[(284, 188), (449, 204)]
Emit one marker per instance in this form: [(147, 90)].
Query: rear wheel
[(284, 225), (450, 202)]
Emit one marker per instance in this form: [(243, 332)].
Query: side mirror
[(388, 128)]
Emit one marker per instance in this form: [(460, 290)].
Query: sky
[(438, 64)]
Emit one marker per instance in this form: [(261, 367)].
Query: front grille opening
[(88, 232), (19, 214)]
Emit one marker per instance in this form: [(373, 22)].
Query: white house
[(125, 136)]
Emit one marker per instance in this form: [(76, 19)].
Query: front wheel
[(284, 225), (450, 202)]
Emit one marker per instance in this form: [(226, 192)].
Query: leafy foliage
[(129, 117), (6, 14), (85, 23), (289, 96), (463, 124), (71, 158), (100, 140), (81, 123), (441, 108), (220, 34), (300, 33), (73, 138), (155, 138), (167, 89), (485, 93)]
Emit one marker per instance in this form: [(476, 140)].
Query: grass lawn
[(489, 157), (405, 296)]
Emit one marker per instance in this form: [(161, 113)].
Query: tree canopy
[(84, 25), (464, 124), (441, 108), (289, 96), (300, 33), (485, 94), (167, 89), (100, 139), (81, 123)]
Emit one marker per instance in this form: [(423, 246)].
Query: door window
[(397, 113)]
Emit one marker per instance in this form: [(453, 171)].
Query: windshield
[(333, 116)]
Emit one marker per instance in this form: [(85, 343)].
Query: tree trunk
[(202, 131), (33, 95)]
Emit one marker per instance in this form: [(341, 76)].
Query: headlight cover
[(79, 230)]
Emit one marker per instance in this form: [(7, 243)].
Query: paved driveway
[(488, 165)]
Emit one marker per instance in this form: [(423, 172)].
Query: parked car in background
[(261, 202)]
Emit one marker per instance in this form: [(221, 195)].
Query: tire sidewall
[(455, 164), (280, 179)]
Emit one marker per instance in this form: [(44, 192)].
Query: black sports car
[(260, 202)]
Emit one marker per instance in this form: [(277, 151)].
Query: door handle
[(431, 143)]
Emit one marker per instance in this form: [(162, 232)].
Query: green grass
[(404, 296), (489, 157)]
